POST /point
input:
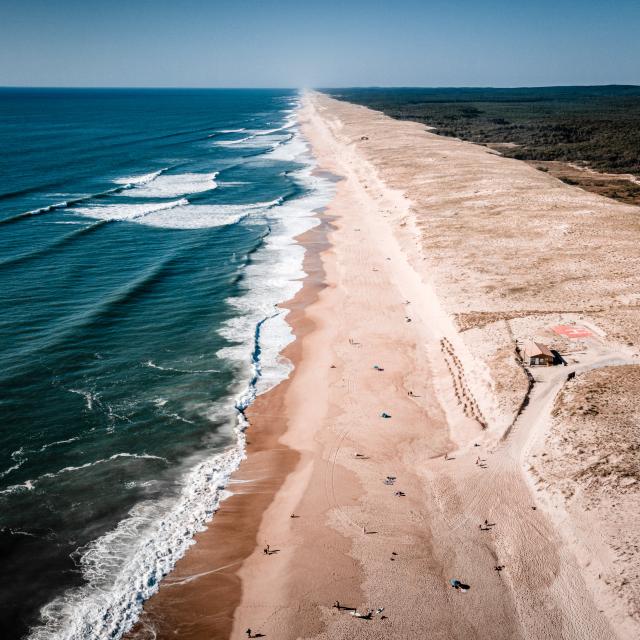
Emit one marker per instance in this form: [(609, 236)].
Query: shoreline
[(378, 454), (230, 537)]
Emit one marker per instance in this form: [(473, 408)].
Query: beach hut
[(536, 353)]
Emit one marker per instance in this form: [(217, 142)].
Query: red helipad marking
[(572, 331)]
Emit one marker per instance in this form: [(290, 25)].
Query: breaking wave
[(125, 183), (153, 365), (172, 185), (178, 214)]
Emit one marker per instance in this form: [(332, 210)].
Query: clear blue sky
[(283, 43)]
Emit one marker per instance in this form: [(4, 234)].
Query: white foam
[(15, 488), (231, 143), (257, 141), (141, 456), (131, 212), (44, 447), (180, 418), (7, 471), (265, 132), (139, 180), (87, 395), (198, 216), (123, 567), (19, 458), (258, 138), (18, 532), (153, 365), (291, 151), (166, 185), (275, 274), (31, 484), (177, 214)]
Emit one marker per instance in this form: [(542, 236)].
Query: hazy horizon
[(294, 88)]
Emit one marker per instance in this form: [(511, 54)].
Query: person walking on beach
[(248, 632)]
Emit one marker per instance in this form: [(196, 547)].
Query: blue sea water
[(146, 237)]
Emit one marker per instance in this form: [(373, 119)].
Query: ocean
[(146, 237)]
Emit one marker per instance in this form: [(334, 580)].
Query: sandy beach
[(398, 455)]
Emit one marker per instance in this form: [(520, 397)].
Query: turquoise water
[(145, 239)]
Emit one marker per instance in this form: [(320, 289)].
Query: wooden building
[(536, 353)]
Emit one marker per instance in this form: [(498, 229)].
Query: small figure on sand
[(266, 550), (249, 634), (364, 616), (459, 586), (342, 607)]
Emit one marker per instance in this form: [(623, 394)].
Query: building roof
[(533, 349)]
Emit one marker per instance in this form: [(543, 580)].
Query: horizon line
[(291, 88)]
